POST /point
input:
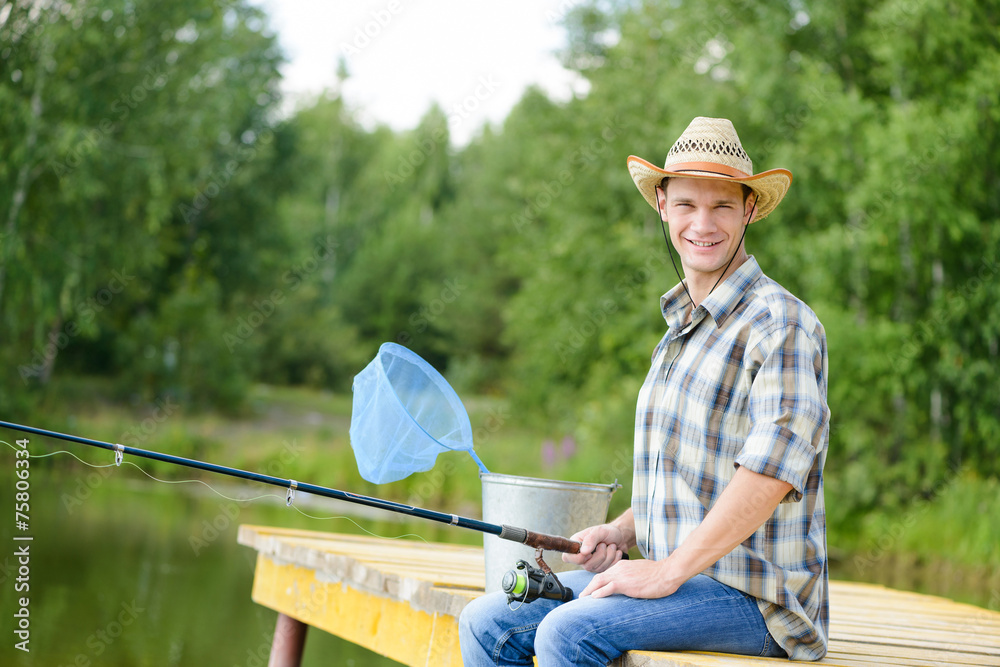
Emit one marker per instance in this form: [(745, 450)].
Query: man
[(731, 435)]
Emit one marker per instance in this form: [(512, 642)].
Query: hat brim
[(770, 186)]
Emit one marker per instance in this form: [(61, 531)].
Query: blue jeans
[(702, 615)]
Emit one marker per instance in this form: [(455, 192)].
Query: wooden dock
[(402, 598)]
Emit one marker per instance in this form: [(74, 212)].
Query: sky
[(473, 58)]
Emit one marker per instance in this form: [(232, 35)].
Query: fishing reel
[(525, 583)]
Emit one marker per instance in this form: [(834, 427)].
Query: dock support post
[(288, 643)]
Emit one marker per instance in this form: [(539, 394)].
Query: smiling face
[(706, 220)]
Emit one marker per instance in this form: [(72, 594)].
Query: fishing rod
[(538, 540)]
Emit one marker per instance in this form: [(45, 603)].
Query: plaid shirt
[(741, 381)]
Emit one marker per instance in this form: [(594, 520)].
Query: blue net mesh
[(405, 414)]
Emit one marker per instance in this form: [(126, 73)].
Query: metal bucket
[(540, 505)]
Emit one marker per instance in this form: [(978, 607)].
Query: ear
[(749, 211), (661, 202)]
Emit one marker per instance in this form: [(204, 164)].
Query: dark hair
[(747, 190)]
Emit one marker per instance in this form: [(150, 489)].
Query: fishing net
[(405, 414)]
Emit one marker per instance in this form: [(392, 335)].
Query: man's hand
[(601, 547), (636, 579), (746, 503)]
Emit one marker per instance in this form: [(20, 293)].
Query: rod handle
[(551, 543), (539, 540)]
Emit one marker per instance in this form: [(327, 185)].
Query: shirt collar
[(723, 300)]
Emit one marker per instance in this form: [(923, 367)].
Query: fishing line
[(61, 451), (222, 495), (541, 541)]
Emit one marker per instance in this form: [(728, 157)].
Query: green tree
[(129, 127)]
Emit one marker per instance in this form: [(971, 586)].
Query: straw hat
[(710, 148)]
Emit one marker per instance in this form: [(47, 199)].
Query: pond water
[(126, 571)]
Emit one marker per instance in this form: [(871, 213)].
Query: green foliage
[(937, 526), (159, 227), (183, 351)]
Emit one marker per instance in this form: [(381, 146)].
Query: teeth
[(700, 244)]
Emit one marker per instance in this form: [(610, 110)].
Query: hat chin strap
[(670, 251)]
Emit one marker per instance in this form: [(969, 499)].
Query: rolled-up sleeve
[(787, 408)]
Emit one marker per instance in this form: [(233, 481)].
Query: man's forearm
[(747, 502)]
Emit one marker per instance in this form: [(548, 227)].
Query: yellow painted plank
[(388, 627)]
